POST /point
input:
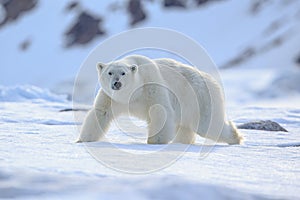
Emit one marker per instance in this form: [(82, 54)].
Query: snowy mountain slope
[(39, 158), (230, 30)]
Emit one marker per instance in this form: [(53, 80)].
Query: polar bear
[(176, 100)]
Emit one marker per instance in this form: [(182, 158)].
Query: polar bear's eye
[(109, 73), (123, 73)]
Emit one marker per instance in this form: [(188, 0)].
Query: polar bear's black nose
[(117, 85)]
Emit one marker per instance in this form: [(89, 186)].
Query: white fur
[(176, 100)]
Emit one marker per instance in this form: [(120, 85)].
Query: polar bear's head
[(116, 77)]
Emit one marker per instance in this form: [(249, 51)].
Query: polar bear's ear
[(133, 68), (100, 66)]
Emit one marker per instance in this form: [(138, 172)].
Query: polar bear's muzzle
[(116, 85)]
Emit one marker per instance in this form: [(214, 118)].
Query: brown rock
[(16, 8), (136, 11), (86, 28), (266, 125)]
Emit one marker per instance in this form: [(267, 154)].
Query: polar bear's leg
[(229, 134), (161, 126), (184, 135), (163, 136), (95, 125), (213, 123)]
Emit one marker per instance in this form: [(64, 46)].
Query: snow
[(27, 92), (39, 158)]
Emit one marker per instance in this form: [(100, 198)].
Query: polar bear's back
[(196, 78), (184, 77)]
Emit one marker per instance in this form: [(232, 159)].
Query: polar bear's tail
[(230, 134)]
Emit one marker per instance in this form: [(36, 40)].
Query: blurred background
[(255, 43)]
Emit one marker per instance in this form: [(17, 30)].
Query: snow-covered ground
[(39, 158)]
